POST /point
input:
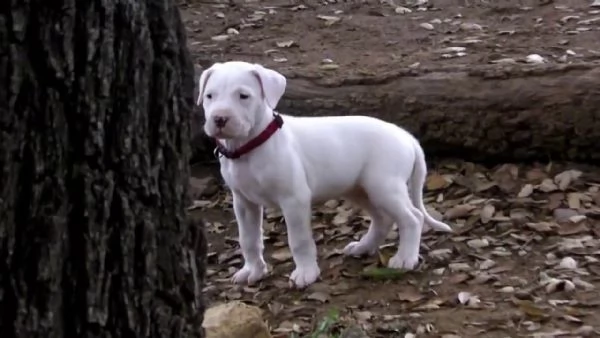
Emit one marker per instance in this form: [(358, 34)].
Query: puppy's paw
[(305, 275), (358, 249), (249, 274), (403, 261)]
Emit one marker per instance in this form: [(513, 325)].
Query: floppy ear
[(202, 82), (272, 84)]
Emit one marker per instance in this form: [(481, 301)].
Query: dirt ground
[(524, 258), (346, 38)]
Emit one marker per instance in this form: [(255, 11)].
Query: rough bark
[(94, 144), (485, 113)]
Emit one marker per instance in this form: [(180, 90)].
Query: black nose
[(220, 121)]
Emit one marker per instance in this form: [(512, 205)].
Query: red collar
[(253, 143)]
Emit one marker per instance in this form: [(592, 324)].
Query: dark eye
[(244, 96), (209, 96)]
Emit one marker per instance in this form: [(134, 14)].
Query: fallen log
[(486, 113)]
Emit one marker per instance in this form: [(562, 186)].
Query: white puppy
[(291, 162)]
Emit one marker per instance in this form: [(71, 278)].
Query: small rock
[(235, 319), (596, 3)]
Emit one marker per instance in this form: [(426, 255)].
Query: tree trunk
[(94, 147), (484, 113)]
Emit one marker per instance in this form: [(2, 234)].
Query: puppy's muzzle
[(220, 121), (220, 117)]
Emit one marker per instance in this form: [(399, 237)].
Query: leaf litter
[(515, 253)]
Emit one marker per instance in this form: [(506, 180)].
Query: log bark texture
[(96, 99), (479, 113)]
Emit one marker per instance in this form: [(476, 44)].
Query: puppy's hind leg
[(380, 226), (393, 199)]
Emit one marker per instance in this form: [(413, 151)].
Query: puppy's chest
[(255, 185)]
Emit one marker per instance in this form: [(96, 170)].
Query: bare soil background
[(524, 258), (499, 79)]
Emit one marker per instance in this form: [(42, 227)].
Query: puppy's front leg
[(249, 217), (302, 245)]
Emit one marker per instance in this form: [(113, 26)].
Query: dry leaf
[(536, 175), (555, 200), (507, 177), (341, 217), (563, 214), (468, 299), (573, 200), (222, 37), (329, 20), (542, 226), (409, 296), (478, 243), (319, 296), (556, 284), (282, 255), (571, 319), (487, 213), (459, 211), (526, 190), (564, 179), (383, 273), (568, 263), (427, 26), (433, 304), (567, 229), (577, 218), (285, 44), (459, 278), (458, 267), (329, 66), (530, 309), (596, 198), (383, 259), (547, 185), (436, 182)]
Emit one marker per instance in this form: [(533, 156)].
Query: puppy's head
[(236, 96)]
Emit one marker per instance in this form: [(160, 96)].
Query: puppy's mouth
[(221, 135)]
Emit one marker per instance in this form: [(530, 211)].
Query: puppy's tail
[(416, 183)]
